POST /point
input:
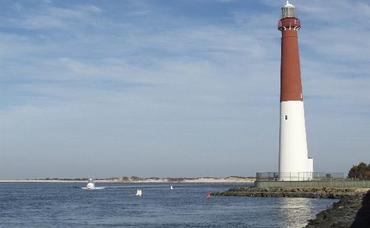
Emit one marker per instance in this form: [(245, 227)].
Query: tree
[(360, 171)]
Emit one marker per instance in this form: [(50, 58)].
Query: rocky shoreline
[(349, 211), (352, 210), (330, 193)]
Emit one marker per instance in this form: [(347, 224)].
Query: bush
[(360, 171)]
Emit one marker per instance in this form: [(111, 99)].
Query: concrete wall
[(313, 184)]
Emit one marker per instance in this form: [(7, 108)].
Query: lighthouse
[(294, 163)]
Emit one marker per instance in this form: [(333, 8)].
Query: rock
[(352, 210)]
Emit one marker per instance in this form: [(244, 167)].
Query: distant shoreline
[(138, 180)]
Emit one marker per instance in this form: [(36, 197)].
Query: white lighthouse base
[(294, 164)]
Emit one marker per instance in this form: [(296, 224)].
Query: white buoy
[(139, 193)]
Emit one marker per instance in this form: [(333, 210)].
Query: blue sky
[(175, 88)]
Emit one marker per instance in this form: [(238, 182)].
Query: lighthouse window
[(286, 117)]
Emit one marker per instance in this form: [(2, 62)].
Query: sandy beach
[(248, 180)]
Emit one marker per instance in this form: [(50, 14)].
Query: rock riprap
[(352, 210), (332, 193)]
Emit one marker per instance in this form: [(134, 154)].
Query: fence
[(299, 176)]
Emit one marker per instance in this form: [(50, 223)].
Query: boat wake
[(93, 188)]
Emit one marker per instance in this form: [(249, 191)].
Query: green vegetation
[(360, 171)]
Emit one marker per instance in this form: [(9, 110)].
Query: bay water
[(187, 205)]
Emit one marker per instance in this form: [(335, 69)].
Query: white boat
[(139, 193), (171, 187), (91, 185)]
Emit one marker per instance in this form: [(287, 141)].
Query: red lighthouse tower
[(294, 163)]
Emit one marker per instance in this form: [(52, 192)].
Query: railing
[(299, 176), (289, 23)]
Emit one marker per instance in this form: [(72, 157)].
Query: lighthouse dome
[(288, 10), (289, 5)]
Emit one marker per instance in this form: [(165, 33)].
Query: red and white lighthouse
[(294, 163)]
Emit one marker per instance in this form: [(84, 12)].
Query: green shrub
[(360, 171)]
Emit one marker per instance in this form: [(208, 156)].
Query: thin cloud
[(137, 81)]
